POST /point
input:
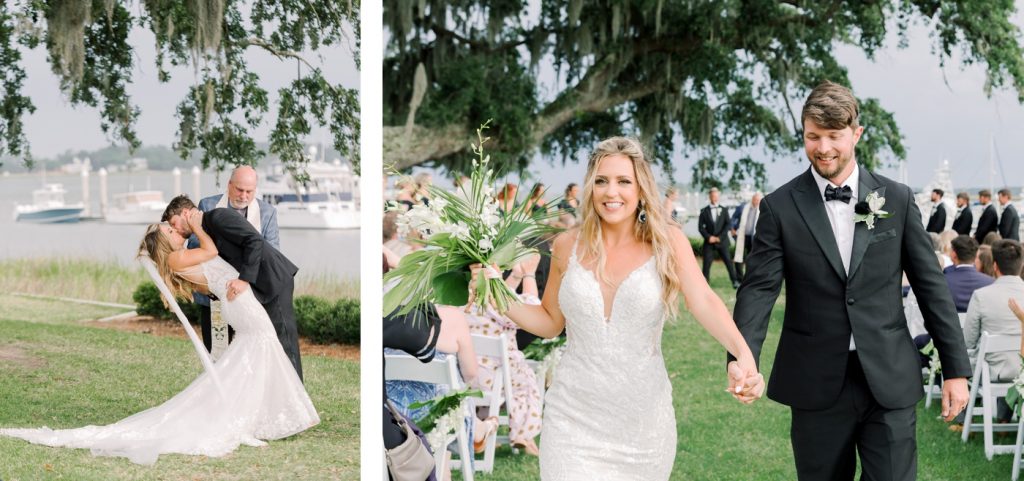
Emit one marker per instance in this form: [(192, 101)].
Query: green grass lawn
[(721, 439), (56, 372)]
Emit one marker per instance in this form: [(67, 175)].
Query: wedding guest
[(507, 197), (570, 202), (406, 192), (984, 262), (240, 197), (989, 220), (989, 312), (744, 221), (937, 219), (671, 196), (1009, 221), (946, 245), (524, 403), (713, 225), (391, 240), (536, 202), (963, 276), (991, 238), (423, 181), (964, 217)]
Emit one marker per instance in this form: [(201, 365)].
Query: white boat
[(141, 207), (48, 207), (327, 200)]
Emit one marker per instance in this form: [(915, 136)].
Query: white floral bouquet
[(461, 229), (443, 415)]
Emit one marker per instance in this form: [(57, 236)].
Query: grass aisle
[(58, 373), (720, 439)]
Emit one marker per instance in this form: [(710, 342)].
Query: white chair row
[(403, 367)]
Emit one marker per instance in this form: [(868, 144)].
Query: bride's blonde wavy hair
[(655, 231), (157, 246)]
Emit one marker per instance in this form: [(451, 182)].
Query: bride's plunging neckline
[(615, 296)]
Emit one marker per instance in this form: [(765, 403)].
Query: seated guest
[(963, 277), (524, 403), (945, 245), (989, 311), (991, 238), (984, 262)]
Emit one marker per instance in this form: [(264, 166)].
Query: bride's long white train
[(263, 397)]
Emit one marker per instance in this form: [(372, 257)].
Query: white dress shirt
[(840, 216)]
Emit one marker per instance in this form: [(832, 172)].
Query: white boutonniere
[(869, 209)]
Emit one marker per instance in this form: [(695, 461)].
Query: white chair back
[(983, 385), (501, 392), (402, 367)]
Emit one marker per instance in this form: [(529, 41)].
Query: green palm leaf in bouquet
[(460, 229)]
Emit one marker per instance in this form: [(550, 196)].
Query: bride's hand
[(745, 383), (491, 272), (195, 220)]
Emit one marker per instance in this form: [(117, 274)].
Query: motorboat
[(48, 207), (141, 207)]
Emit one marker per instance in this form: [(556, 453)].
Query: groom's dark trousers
[(847, 402), (269, 273)]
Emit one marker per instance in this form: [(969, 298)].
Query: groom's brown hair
[(831, 106), (177, 205)]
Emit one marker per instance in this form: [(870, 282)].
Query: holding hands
[(745, 383)]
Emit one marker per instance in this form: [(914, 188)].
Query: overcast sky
[(943, 113), (56, 126)]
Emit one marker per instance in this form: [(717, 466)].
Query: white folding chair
[(1017, 445), (500, 393), (983, 385), (401, 367)]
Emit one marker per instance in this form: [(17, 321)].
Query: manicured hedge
[(320, 320), (697, 243), (148, 303), (324, 321)]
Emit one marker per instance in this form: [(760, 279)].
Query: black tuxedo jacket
[(1009, 224), (988, 222), (937, 222), (962, 223), (261, 265), (824, 304), (720, 227)]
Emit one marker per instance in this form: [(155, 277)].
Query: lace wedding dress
[(261, 396), (609, 414)]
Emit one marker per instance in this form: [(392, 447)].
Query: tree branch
[(281, 54)]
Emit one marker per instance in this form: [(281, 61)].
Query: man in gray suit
[(989, 309), (241, 197)]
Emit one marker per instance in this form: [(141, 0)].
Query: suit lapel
[(861, 234), (812, 208)]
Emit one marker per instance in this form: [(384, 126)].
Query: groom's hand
[(745, 384), (954, 397), (236, 287)]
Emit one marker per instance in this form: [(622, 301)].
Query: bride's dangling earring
[(642, 216)]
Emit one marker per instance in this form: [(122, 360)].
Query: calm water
[(332, 252)]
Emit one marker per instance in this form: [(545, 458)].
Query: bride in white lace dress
[(613, 283), (260, 395)]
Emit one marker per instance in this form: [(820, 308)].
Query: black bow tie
[(842, 194)]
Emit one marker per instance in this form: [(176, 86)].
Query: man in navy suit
[(964, 217), (962, 277)]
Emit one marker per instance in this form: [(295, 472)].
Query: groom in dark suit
[(260, 266), (846, 364)]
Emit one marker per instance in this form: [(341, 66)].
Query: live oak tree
[(687, 75), (89, 50)]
